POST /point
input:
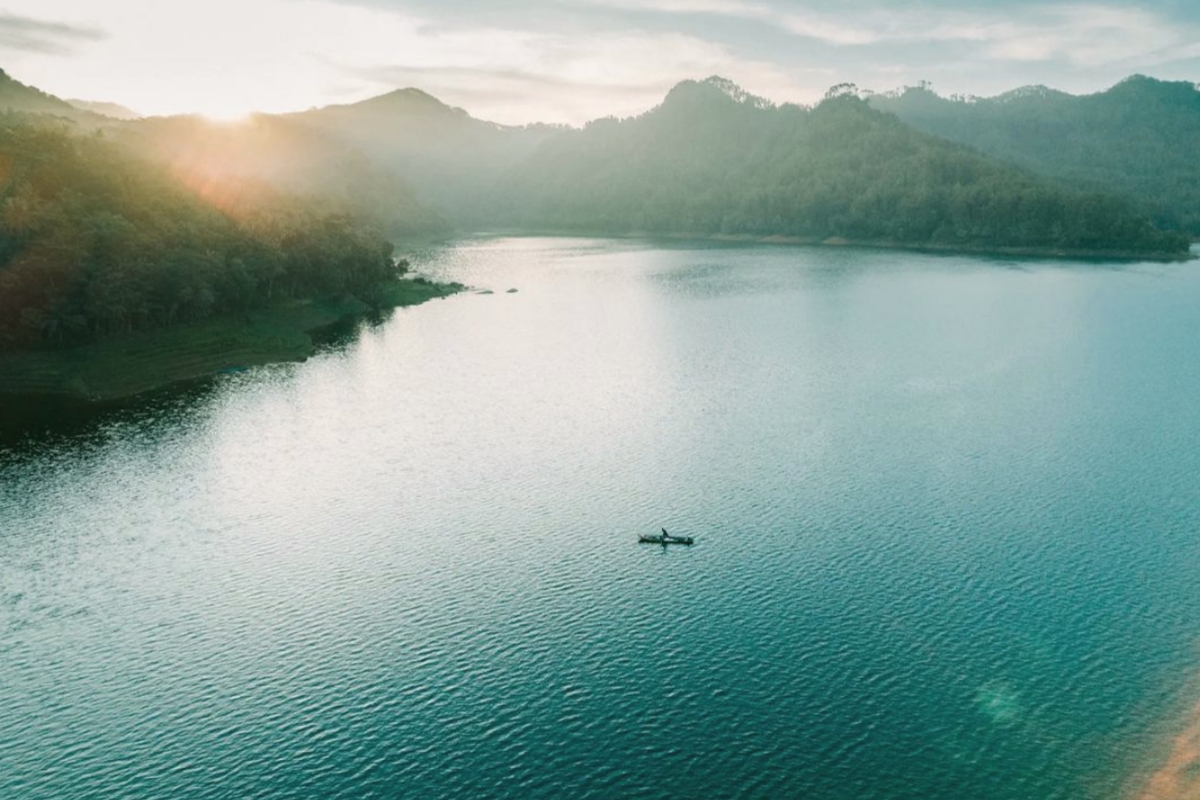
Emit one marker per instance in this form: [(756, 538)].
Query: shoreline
[(123, 366), (127, 365), (1179, 776), (1122, 256), (1173, 770)]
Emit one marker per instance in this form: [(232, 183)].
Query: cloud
[(512, 76), (572, 60), (506, 95), (1080, 34), (724, 7), (48, 38)]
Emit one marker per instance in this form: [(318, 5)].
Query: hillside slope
[(712, 159), (448, 156), (94, 242), (17, 97), (1137, 139)]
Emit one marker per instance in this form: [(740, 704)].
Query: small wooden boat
[(665, 539)]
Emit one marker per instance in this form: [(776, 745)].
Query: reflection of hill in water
[(30, 425)]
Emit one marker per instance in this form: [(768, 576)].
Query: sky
[(568, 61)]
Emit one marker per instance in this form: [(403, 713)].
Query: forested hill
[(110, 110), (16, 96), (449, 157), (713, 159), (95, 241), (1138, 138)]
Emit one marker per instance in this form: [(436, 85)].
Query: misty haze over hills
[(113, 110), (287, 155), (1132, 140), (481, 173), (713, 159), (448, 156)]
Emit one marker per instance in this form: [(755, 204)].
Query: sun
[(226, 113), (223, 102)]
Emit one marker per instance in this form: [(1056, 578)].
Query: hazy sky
[(572, 60)]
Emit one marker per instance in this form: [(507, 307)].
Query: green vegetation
[(94, 242), (128, 364), (1138, 139), (119, 274), (714, 160), (16, 96)]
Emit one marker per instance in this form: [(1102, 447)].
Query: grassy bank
[(122, 366)]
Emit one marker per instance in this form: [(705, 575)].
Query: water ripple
[(929, 564)]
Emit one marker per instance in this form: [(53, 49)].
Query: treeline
[(712, 159), (1137, 139), (94, 241)]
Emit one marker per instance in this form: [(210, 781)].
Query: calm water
[(947, 512)]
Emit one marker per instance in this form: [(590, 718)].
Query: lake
[(946, 512)]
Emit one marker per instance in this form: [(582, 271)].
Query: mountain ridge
[(105, 109), (837, 171), (722, 159), (1135, 139), (17, 96)]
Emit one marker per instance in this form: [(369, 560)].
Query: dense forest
[(95, 241), (1137, 139), (713, 159)]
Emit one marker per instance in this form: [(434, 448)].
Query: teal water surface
[(946, 512)]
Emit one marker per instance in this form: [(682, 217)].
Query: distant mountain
[(447, 155), (285, 154), (1138, 138), (111, 110), (16, 96), (714, 159)]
